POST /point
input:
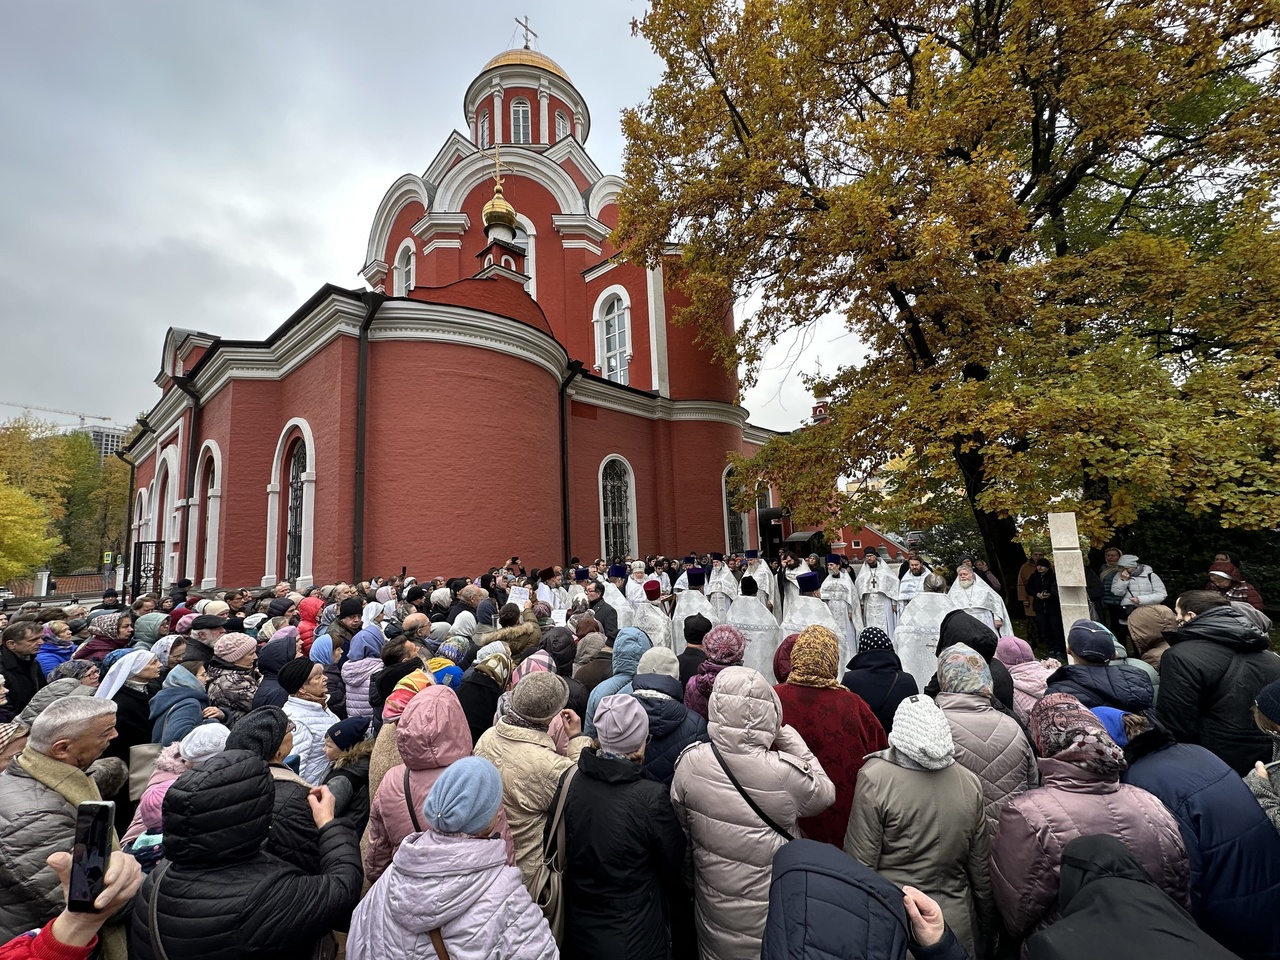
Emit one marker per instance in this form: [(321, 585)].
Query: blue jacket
[(1125, 688), (1233, 849), (52, 655), (628, 648), (672, 725), (824, 905), (179, 707)]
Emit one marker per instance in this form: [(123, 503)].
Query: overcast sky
[(209, 165)]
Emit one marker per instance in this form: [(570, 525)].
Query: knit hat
[(294, 674), (350, 607), (782, 657), (1062, 729), (696, 628), (652, 589), (542, 610), (725, 644), (260, 731), (540, 696), (347, 733), (921, 733), (1113, 721), (661, 660), (873, 638), (1012, 651), (1091, 641), (622, 725), (230, 647), (1128, 560), (184, 623), (961, 669), (465, 797), (1268, 701), (204, 742)]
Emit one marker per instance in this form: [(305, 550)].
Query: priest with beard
[(788, 584), (652, 617), (722, 589), (911, 579), (759, 571), (837, 591), (876, 590)]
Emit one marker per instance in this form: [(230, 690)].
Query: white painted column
[(213, 515), (1068, 565), (273, 534), (544, 132), (577, 127), (655, 287), (308, 530), (193, 543), (497, 114)]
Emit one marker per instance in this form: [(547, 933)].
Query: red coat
[(841, 730)]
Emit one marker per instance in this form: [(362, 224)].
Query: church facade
[(503, 384)]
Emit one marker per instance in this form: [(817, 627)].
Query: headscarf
[(961, 669), (873, 638), (180, 676), (441, 598), (76, 668), (537, 662), (589, 648), (385, 594), (322, 650), (107, 625), (109, 660), (465, 798), (1012, 651), (405, 691), (146, 629), (51, 637), (445, 672), (454, 649), (327, 615), (782, 657), (815, 658), (119, 674), (1064, 730), (586, 625), (542, 610), (464, 625), (725, 645), (496, 666), (370, 611), (11, 731)]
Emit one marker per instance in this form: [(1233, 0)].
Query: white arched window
[(482, 130), (613, 335), (291, 504), (520, 121), (403, 282), (617, 509), (562, 125)]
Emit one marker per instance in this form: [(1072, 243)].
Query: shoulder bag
[(142, 764), (747, 797), (548, 883), (408, 802), (437, 941)]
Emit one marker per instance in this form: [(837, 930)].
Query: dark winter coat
[(824, 904), (690, 660), (384, 681), (1122, 687), (878, 678), (1111, 908), (356, 775), (23, 678), (293, 837), (606, 616), (623, 882), (1233, 849), (273, 655), (1039, 583), (596, 670), (1209, 677), (960, 627), (478, 693), (337, 688), (223, 897), (672, 725), (133, 722), (563, 647)]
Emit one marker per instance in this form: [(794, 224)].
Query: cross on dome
[(528, 31)]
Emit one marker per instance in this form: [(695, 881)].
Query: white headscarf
[(121, 671), (203, 742)]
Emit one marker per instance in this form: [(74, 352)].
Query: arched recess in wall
[(164, 522), (141, 515), (202, 566), (735, 523), (527, 237), (617, 487), (291, 504)]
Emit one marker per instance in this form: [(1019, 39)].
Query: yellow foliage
[(24, 523)]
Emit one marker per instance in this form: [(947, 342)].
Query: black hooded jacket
[(560, 643), (222, 897), (1209, 678), (273, 655), (960, 627), (672, 725), (1125, 688), (878, 678)]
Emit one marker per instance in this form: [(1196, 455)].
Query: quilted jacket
[(992, 746)]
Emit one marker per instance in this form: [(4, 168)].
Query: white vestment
[(916, 639), (682, 582), (837, 592), (688, 603), (614, 598), (561, 596), (877, 592), (981, 602), (653, 620), (788, 589), (763, 634), (665, 580), (546, 595), (722, 590), (809, 612), (635, 592), (763, 576), (910, 586), (576, 590)]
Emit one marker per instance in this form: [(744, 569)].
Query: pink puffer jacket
[(1073, 802), (169, 767), (1029, 680), (432, 733)]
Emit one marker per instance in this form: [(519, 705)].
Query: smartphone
[(89, 856)]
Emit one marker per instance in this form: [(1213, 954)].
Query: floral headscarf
[(497, 667), (107, 625), (815, 658), (163, 647), (961, 669), (404, 691), (1064, 730)]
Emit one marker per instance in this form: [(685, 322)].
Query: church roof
[(530, 58), (490, 295)]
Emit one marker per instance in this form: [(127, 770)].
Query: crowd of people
[(715, 757)]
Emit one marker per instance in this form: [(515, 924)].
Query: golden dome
[(528, 58), (498, 210)]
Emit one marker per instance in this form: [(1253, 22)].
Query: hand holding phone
[(123, 879), (89, 855)]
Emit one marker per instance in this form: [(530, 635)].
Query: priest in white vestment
[(549, 590), (651, 616), (837, 592), (758, 625), (722, 588), (916, 639), (581, 577), (635, 584), (977, 599), (759, 571), (877, 592), (788, 590), (682, 581), (807, 610), (614, 598), (689, 603), (911, 581)]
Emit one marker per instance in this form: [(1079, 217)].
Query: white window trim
[(142, 515), (724, 501), (633, 539), (568, 126), (207, 566), (484, 135), (597, 319), (530, 253), (516, 104), (403, 278), (165, 522), (279, 476)]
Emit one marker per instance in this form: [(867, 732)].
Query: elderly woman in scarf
[(724, 646), (837, 725), (75, 678), (1080, 794), (111, 631), (126, 684), (149, 628), (483, 686)]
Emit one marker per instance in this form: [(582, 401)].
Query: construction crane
[(70, 413)]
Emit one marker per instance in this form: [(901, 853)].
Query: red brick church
[(503, 385)]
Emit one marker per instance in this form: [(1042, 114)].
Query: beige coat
[(531, 771), (926, 828), (732, 847), (993, 747)]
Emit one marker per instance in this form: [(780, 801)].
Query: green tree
[(1050, 228), (24, 543), (79, 527)]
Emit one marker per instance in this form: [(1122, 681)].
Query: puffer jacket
[(1142, 583), (521, 639), (1209, 677), (531, 771), (222, 896), (733, 848), (356, 676), (926, 828), (431, 734), (1035, 826), (461, 885), (309, 610), (34, 823), (1233, 850), (672, 725), (311, 723), (990, 745), (273, 655), (169, 767), (231, 689), (623, 863), (1029, 682), (293, 837), (1125, 688), (628, 648)]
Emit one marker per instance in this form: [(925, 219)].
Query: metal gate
[(148, 567)]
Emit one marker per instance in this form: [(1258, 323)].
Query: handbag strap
[(157, 946), (408, 802), (437, 941), (555, 836), (746, 796)]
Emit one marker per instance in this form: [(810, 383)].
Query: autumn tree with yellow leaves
[(1050, 224)]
